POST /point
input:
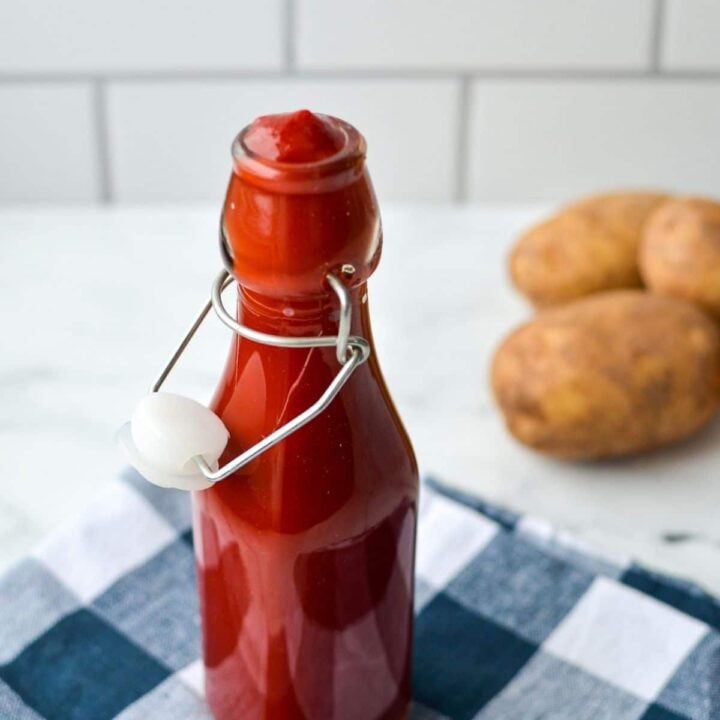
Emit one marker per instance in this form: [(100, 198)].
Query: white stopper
[(166, 432)]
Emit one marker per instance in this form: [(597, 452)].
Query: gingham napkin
[(513, 622)]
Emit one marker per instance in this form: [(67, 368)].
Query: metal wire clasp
[(352, 351)]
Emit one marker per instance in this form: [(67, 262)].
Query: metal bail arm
[(352, 351)]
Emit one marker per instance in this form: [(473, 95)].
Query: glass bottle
[(305, 556)]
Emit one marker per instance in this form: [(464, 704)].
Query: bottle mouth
[(315, 176)]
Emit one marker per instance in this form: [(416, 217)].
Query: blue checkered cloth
[(514, 622)]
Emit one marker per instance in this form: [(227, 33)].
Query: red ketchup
[(305, 556)]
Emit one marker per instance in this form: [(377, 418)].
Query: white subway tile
[(691, 35), (553, 140), (507, 34), (47, 143), (171, 141), (47, 36)]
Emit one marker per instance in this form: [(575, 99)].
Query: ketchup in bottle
[(305, 556)]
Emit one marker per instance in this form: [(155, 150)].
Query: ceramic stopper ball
[(166, 432)]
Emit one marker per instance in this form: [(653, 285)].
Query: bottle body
[(306, 557)]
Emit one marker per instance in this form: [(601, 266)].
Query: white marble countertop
[(93, 300)]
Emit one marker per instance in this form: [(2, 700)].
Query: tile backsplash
[(477, 100), (169, 140), (474, 34)]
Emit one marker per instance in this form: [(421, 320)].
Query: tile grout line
[(371, 75), (656, 40), (462, 142), (289, 37), (102, 140)]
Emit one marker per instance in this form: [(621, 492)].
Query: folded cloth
[(514, 622)]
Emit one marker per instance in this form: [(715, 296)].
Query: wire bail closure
[(351, 352)]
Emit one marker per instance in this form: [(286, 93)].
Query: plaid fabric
[(514, 622)]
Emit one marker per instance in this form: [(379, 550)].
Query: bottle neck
[(294, 318)]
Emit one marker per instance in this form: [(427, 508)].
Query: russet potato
[(616, 373), (587, 247), (680, 252)]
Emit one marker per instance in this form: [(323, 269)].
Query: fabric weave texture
[(513, 621)]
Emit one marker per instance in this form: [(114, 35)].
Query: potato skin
[(587, 247), (680, 252), (616, 373)]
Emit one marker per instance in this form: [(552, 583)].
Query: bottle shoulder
[(354, 457)]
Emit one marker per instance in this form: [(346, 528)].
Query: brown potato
[(680, 252), (619, 372), (588, 247)]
